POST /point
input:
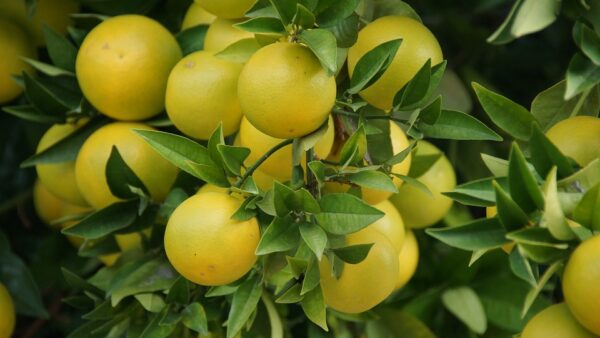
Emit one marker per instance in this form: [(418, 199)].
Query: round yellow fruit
[(364, 285), (7, 309), (59, 178), (555, 322), (375, 196), (581, 284), (50, 208), (577, 137), (196, 15), (418, 45), (408, 259), (229, 9), (221, 34), (207, 246), (390, 225), (123, 65), (201, 93), (52, 13), (279, 164), (153, 170), (285, 92), (418, 208), (14, 44)]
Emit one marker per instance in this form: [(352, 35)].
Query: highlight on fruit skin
[(196, 15), (288, 77), (205, 245), (577, 137), (123, 65)]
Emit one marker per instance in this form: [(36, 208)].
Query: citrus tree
[(299, 168)]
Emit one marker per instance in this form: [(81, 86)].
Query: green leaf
[(582, 75), (415, 89), (343, 214), (533, 16), (280, 235), (186, 154), (303, 17), (478, 193), (523, 186), (105, 221), (588, 41), (346, 32), (313, 306), (312, 277), (61, 51), (372, 65), (521, 267), (95, 248), (553, 217), (455, 125), (315, 237), (323, 44), (194, 318), (585, 178), (309, 141), (432, 112), (549, 107), (536, 236), (239, 51), (503, 34), (587, 212), (353, 254), (44, 98), (150, 302), (121, 178), (179, 291), (545, 155), (497, 166), (477, 235), (233, 157), (277, 330), (286, 10), (47, 69), (245, 301), (30, 113), (337, 11), (192, 39), (156, 329), (67, 148), (154, 275), (354, 148), (420, 164), (392, 323), (534, 293), (291, 295), (396, 7), (374, 180), (464, 303), (79, 284), (263, 25), (506, 114), (510, 213)]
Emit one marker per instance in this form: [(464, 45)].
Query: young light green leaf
[(343, 214), (315, 237), (506, 114), (244, 303), (553, 217), (150, 302), (323, 44), (281, 235), (464, 303), (313, 306), (477, 235), (582, 75), (372, 65), (534, 293), (354, 148), (239, 51), (587, 212), (533, 16), (458, 126), (233, 157), (497, 166)]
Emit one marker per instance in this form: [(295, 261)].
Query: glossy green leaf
[(372, 65), (506, 114), (524, 189), (337, 11), (343, 214), (281, 235), (420, 164), (587, 212), (262, 25), (510, 213), (545, 155), (105, 221), (464, 303), (477, 235), (192, 39), (315, 237), (373, 180), (312, 277), (582, 75), (194, 317), (353, 254), (458, 126), (233, 157), (415, 89), (313, 306), (323, 44), (61, 51), (121, 178), (286, 10), (588, 41), (534, 293), (239, 51), (522, 268), (553, 217), (244, 303), (478, 193)]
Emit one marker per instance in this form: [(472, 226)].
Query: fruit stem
[(263, 158)]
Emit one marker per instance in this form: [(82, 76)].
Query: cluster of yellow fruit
[(579, 138), (20, 34), (283, 92)]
